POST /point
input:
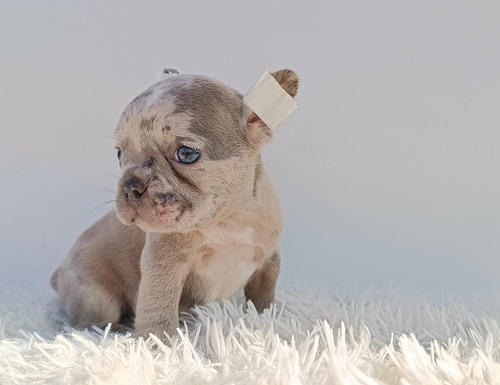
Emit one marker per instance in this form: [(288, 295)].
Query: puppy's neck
[(248, 198)]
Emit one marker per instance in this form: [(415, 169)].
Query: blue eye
[(187, 154), (119, 153)]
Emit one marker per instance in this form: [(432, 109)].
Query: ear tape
[(270, 101)]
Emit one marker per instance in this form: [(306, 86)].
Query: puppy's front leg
[(261, 286), (163, 270)]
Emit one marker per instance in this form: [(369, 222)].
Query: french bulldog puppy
[(196, 217)]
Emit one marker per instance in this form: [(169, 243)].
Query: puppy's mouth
[(153, 211)]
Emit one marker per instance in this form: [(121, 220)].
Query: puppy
[(196, 217)]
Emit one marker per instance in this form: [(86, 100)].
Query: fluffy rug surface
[(383, 336)]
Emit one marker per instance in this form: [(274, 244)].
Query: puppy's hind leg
[(87, 303), (261, 286)]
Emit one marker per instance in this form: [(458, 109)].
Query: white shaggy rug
[(384, 336)]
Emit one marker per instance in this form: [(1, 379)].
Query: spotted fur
[(181, 234)]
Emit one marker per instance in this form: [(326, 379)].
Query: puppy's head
[(188, 149)]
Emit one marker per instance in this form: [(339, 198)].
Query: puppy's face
[(188, 148), (184, 154)]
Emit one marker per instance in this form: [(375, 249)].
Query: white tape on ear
[(165, 74), (270, 101)]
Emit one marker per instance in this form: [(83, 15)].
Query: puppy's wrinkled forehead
[(191, 108)]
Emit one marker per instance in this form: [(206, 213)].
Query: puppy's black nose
[(133, 188)]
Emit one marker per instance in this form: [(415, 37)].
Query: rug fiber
[(380, 336)]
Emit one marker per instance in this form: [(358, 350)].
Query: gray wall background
[(388, 171)]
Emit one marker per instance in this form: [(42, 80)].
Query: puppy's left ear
[(258, 133), (288, 80)]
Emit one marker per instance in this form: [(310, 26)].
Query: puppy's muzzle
[(133, 189)]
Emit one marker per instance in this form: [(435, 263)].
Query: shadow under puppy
[(196, 218)]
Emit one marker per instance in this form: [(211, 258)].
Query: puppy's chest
[(224, 262)]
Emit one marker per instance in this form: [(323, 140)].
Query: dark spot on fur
[(166, 128), (147, 124), (164, 199)]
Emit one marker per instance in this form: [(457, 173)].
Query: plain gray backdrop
[(387, 172)]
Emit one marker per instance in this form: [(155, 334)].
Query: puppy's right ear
[(258, 133)]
